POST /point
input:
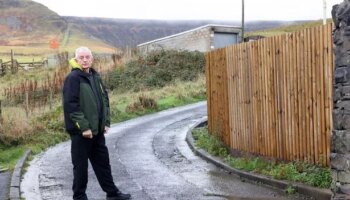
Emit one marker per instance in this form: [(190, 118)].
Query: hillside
[(131, 32), (27, 27), (26, 22), (287, 28)]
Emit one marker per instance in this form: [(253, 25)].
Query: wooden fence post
[(27, 103), (1, 68), (1, 119), (16, 65), (50, 99), (12, 62)]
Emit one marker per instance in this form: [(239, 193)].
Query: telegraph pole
[(324, 11), (242, 21)]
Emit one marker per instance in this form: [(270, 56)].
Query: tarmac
[(5, 178), (9, 183)]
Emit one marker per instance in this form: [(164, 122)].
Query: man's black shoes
[(120, 196)]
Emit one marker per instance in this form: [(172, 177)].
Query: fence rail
[(273, 97), (14, 66)]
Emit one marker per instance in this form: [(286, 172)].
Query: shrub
[(143, 103), (15, 127), (156, 70)]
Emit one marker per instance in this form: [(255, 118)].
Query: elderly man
[(86, 116)]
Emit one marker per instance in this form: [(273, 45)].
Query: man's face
[(84, 59)]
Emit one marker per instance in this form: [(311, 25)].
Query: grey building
[(204, 38)]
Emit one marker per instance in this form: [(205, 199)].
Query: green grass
[(292, 171), (173, 101), (10, 155), (211, 143), (290, 190), (175, 94)]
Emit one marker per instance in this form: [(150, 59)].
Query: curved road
[(150, 159)]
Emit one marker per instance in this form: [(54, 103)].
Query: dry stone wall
[(340, 149)]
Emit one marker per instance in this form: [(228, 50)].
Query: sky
[(231, 10)]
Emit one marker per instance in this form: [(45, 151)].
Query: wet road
[(151, 160), (4, 184)]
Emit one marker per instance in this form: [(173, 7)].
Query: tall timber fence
[(273, 97)]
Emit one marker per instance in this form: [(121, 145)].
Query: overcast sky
[(193, 9)]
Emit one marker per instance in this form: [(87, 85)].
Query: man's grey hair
[(82, 49)]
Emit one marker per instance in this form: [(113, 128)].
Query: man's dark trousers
[(95, 150)]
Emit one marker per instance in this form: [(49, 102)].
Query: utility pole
[(242, 40), (324, 11)]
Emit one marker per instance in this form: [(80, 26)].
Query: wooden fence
[(273, 97), (13, 66)]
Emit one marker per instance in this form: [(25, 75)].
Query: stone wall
[(192, 40), (340, 148)]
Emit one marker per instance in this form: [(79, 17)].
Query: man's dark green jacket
[(81, 110)]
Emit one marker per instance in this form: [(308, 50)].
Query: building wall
[(197, 40)]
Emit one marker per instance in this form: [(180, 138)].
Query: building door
[(224, 39)]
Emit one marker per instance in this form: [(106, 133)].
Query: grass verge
[(292, 171)]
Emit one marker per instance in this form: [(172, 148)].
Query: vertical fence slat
[(329, 98), (209, 90), (281, 86), (246, 86), (259, 98), (295, 99), (318, 132), (255, 99), (289, 77), (274, 99), (263, 97), (285, 97), (302, 104), (309, 101), (226, 103), (297, 104), (270, 95), (243, 91), (235, 96), (304, 96), (239, 93), (277, 97), (249, 97), (324, 71), (322, 94), (229, 62)]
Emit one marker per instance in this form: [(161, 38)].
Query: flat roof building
[(204, 38)]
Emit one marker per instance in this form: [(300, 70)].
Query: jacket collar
[(76, 67), (73, 63)]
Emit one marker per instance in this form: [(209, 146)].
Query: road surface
[(150, 159)]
